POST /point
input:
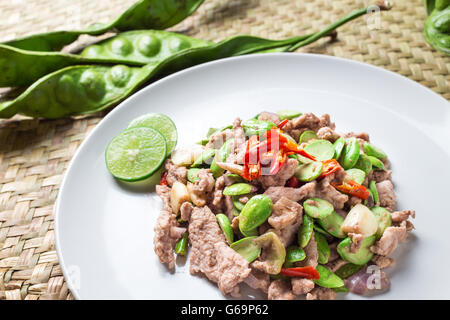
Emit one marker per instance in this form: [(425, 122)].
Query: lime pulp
[(135, 153), (160, 122)]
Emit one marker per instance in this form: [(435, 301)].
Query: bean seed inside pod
[(148, 45), (92, 51), (64, 89), (177, 44), (39, 101), (93, 83), (119, 75), (121, 46)]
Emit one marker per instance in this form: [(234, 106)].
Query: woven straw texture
[(34, 154)]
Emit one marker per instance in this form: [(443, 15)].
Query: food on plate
[(283, 203)]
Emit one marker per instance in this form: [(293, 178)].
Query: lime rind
[(160, 122), (136, 153)]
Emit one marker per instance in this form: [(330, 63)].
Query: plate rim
[(128, 100)]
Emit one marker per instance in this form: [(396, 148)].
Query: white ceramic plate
[(104, 229)]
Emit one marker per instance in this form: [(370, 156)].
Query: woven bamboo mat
[(35, 153)]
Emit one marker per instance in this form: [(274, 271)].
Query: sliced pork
[(211, 256)]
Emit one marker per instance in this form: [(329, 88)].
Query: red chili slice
[(163, 180), (352, 188), (293, 183), (304, 272), (329, 166)]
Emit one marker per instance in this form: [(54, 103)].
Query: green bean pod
[(144, 14), (76, 90), (305, 231), (23, 67), (328, 279), (323, 248), (255, 212), (108, 85), (181, 246), (141, 46), (437, 27)]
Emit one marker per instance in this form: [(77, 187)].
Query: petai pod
[(141, 46), (437, 26), (144, 14), (37, 100), (76, 90), (23, 67)]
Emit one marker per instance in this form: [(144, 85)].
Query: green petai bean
[(257, 127), (274, 251), (181, 246), (192, 175), (144, 14), (320, 230), (225, 225), (238, 189), (373, 189), (294, 254), (23, 67), (338, 147), (364, 164), (374, 151), (350, 154), (317, 208), (35, 101), (255, 212), (437, 25), (361, 256), (75, 90), (328, 279), (235, 177), (384, 220), (356, 175), (347, 270), (332, 225), (141, 47), (237, 204), (376, 163), (305, 232), (309, 171), (222, 155), (321, 149), (247, 249), (205, 158), (306, 136), (288, 114), (323, 248)]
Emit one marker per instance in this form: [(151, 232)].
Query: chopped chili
[(252, 165), (329, 166), (163, 180), (276, 144), (352, 188), (304, 272), (278, 161), (282, 123), (293, 183)]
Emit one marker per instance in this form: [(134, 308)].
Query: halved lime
[(135, 153), (160, 122)]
